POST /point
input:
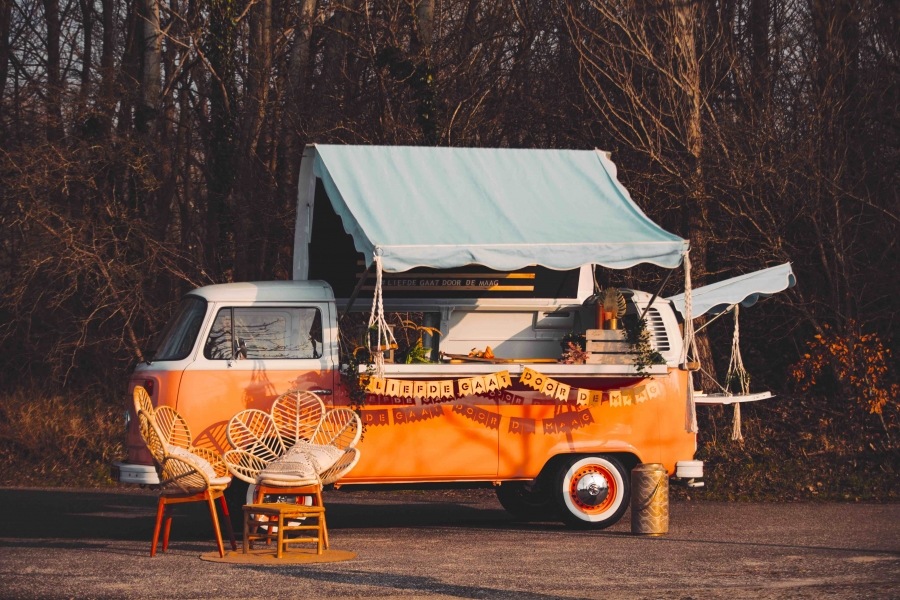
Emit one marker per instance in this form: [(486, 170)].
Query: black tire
[(592, 492), (526, 500)]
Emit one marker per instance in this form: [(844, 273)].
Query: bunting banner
[(494, 386), (439, 390), (559, 391), (414, 414), (412, 401), (482, 416)]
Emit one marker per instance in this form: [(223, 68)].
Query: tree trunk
[(259, 69), (760, 72), (87, 18), (424, 33), (686, 25), (423, 38), (251, 190), (5, 14), (295, 90), (150, 73), (107, 55), (54, 81)]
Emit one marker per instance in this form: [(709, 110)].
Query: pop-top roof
[(502, 208)]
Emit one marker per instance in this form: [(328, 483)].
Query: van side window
[(265, 333), (219, 344)]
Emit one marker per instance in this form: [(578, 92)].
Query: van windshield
[(178, 338)]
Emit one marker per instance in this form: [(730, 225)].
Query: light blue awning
[(502, 208), (745, 290)]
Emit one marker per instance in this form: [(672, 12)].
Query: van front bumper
[(135, 474)]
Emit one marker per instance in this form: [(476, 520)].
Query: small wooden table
[(287, 518)]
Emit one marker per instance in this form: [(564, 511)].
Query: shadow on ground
[(129, 514)]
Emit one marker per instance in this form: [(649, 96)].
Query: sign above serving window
[(475, 282)]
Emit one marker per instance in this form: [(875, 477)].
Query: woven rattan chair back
[(173, 429), (297, 416), (142, 401), (152, 439), (340, 428), (254, 432)]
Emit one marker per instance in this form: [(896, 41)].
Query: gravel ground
[(59, 543)]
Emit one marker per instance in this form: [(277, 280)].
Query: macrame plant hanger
[(384, 336), (736, 372)]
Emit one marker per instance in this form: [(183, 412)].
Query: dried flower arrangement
[(574, 354)]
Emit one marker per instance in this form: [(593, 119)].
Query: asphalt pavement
[(58, 543)]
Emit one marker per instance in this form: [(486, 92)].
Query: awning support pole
[(356, 291), (657, 293), (724, 312)]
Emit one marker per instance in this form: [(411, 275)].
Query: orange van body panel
[(453, 447), (450, 447)]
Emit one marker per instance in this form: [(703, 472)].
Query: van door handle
[(322, 392)]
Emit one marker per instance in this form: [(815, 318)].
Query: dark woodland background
[(150, 146)]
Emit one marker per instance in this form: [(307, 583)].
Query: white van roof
[(267, 291)]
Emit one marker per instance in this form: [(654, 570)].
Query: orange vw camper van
[(492, 250)]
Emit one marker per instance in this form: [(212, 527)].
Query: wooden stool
[(282, 513)]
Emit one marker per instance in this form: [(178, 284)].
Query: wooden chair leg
[(167, 529), (160, 509), (228, 526), (317, 501), (280, 549), (258, 495), (323, 534), (247, 543), (215, 520)]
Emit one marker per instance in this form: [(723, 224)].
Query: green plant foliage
[(417, 353), (639, 338)]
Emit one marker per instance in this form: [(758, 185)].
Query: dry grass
[(796, 449), (53, 438)]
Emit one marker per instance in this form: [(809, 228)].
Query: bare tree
[(641, 68), (169, 156)]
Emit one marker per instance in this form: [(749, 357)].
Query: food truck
[(495, 251)]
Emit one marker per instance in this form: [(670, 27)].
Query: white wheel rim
[(593, 467)]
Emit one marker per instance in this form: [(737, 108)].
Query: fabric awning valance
[(745, 290)]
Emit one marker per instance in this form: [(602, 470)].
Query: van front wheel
[(592, 491), (526, 500)]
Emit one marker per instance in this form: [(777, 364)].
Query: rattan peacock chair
[(186, 473), (294, 449)]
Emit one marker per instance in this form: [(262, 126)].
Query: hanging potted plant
[(638, 338)]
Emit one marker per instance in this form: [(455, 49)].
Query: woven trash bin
[(649, 499)]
